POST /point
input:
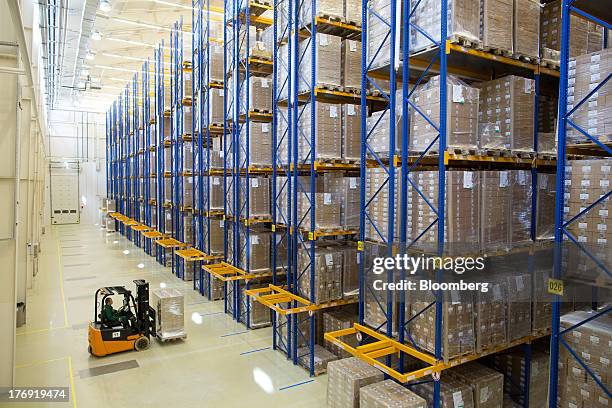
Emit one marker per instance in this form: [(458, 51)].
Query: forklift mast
[(145, 315)]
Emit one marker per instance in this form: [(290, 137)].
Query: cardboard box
[(258, 189), (463, 21), (328, 263), (389, 394), (453, 393), (487, 384), (328, 60), (379, 129), (260, 95), (496, 199), (526, 32), (260, 144), (322, 358), (327, 211), (595, 115), (258, 249), (322, 8), (259, 315), (216, 195), (497, 24), (216, 106), (337, 320), (351, 63), (170, 315), (545, 206), (352, 11), (345, 378), (351, 132), (462, 115), (327, 132), (506, 115), (512, 366)]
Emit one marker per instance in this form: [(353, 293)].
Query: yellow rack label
[(273, 228), (360, 245), (555, 286), (310, 236)]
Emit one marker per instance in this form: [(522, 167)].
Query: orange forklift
[(132, 332)]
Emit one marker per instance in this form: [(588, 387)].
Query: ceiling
[(107, 44)]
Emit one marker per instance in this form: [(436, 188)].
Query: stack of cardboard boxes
[(328, 58), (512, 366), (345, 378), (487, 384), (506, 115), (170, 315), (594, 116), (389, 394), (591, 341), (327, 132)]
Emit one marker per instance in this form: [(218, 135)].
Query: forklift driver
[(112, 316)]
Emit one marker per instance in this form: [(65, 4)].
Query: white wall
[(78, 136)]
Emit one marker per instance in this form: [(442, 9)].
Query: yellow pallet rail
[(226, 272)]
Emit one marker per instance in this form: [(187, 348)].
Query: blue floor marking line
[(233, 334), (295, 385), (254, 351)]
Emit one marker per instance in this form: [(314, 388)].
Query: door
[(65, 193)]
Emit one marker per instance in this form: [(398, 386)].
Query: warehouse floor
[(203, 371)]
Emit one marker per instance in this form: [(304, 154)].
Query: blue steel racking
[(597, 12)]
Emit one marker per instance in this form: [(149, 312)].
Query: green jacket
[(110, 314)]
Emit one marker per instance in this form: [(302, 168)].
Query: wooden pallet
[(466, 42)]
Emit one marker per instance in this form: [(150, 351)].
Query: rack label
[(555, 286)]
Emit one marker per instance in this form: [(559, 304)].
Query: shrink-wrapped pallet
[(591, 341), (258, 249), (487, 384), (351, 65), (187, 156), (547, 124), (327, 211), (462, 21), (321, 356), (351, 132), (258, 190), (585, 36), (526, 32), (217, 236), (520, 208), (170, 315), (216, 62), (389, 394), (378, 51), (216, 106), (453, 393), (345, 378), (259, 150), (490, 310), (328, 62), (187, 192), (495, 210), (260, 95), (512, 366), (327, 132), (496, 18), (327, 263), (322, 8), (506, 113), (594, 116), (350, 271), (352, 11), (379, 130), (377, 194), (457, 322), (337, 320), (216, 195), (461, 112), (259, 315), (545, 206)]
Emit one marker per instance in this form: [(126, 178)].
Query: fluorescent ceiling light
[(140, 266), (141, 24), (132, 42), (126, 252), (105, 6)]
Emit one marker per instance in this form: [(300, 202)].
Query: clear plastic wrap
[(216, 194), (170, 317), (496, 23), (258, 190), (378, 47), (453, 393), (258, 250), (487, 384), (462, 20), (327, 211), (595, 115), (526, 27), (520, 208), (260, 95), (496, 210), (321, 358), (462, 115), (328, 132), (322, 8), (379, 130), (260, 143), (328, 59), (512, 366), (215, 98), (545, 206), (490, 309), (327, 274), (506, 113), (351, 132), (351, 64)]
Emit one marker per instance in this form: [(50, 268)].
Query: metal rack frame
[(598, 13)]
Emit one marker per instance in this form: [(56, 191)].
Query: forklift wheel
[(89, 349), (142, 343)]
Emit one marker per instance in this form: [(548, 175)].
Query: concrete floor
[(205, 370)]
